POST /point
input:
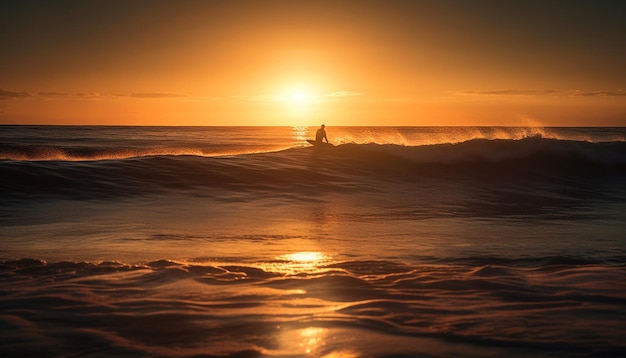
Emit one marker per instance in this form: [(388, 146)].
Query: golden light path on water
[(296, 337), (299, 133), (310, 340), (299, 262)]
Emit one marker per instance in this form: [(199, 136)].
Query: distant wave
[(474, 150), (417, 136), (60, 153), (498, 150)]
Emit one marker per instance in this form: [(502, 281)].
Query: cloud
[(529, 92), (618, 93), (10, 94), (67, 94), (53, 94), (96, 94), (545, 92), (344, 94), (47, 95), (156, 95)]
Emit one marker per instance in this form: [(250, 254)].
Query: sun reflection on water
[(312, 342), (299, 133), (304, 257), (299, 262), (308, 341), (311, 338)]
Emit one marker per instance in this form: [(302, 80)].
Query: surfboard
[(323, 144)]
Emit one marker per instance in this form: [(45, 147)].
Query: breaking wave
[(533, 158)]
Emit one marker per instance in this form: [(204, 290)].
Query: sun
[(298, 94), (300, 97), (299, 101)]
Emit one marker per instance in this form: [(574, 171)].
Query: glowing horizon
[(304, 63)]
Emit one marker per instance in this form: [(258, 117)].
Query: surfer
[(321, 134)]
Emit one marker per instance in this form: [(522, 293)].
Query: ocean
[(249, 242)]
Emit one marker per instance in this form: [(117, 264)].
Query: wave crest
[(303, 170), (499, 150), (473, 150), (60, 153)]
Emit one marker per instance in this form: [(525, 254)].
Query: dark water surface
[(241, 241)]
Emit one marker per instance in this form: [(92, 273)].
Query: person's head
[(323, 126)]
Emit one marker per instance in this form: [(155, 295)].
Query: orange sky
[(307, 62)]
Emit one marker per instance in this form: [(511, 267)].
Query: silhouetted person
[(321, 134)]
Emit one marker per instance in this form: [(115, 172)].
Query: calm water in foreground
[(249, 242)]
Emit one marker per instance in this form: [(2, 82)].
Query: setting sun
[(300, 93), (300, 100), (300, 97)]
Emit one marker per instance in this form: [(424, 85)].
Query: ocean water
[(249, 242)]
